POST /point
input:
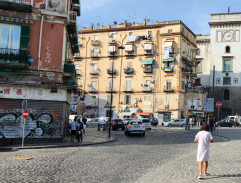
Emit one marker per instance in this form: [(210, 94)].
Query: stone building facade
[(151, 66)]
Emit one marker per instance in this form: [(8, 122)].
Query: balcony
[(168, 69), (94, 55), (149, 52), (75, 1), (51, 77), (112, 54), (14, 57), (186, 71), (76, 8), (110, 71), (94, 73), (168, 89), (108, 90), (128, 70), (130, 53), (127, 90), (148, 70), (17, 5), (95, 42), (146, 88), (93, 90)]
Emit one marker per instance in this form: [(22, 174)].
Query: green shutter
[(24, 44), (25, 37)]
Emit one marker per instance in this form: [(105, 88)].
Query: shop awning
[(152, 61), (125, 114), (143, 113), (169, 60)]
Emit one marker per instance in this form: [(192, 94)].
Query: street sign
[(25, 114), (218, 104), (209, 105)]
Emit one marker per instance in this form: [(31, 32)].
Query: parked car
[(175, 122), (117, 123), (154, 121), (95, 121), (126, 120), (225, 123), (146, 122), (135, 127)]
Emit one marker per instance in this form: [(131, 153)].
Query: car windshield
[(117, 120), (135, 123), (146, 121)]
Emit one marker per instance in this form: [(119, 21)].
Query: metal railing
[(16, 56), (27, 2), (72, 16)]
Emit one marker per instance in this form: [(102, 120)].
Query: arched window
[(226, 95), (227, 49)]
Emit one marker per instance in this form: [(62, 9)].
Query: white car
[(147, 123), (95, 121), (175, 122), (135, 127)]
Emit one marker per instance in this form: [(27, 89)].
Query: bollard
[(98, 127), (104, 127)]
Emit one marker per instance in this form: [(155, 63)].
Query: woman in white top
[(203, 138)]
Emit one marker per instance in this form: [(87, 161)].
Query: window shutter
[(25, 37)]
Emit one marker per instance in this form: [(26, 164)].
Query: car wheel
[(149, 128)]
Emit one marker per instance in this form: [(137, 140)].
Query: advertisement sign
[(209, 105)]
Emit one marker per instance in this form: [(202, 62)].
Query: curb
[(57, 146)]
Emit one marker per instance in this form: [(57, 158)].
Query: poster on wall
[(57, 5)]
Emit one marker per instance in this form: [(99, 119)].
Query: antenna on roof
[(228, 9)]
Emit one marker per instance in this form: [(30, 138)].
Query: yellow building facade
[(150, 66)]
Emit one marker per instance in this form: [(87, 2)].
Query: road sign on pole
[(25, 116), (218, 104)]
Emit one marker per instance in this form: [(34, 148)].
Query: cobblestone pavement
[(163, 155)]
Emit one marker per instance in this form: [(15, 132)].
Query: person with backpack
[(80, 129)]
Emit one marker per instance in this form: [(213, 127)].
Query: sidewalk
[(90, 137)]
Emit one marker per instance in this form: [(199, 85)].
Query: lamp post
[(111, 89)]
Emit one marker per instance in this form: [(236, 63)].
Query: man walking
[(73, 129)]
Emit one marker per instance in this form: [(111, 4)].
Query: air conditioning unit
[(166, 106), (120, 102), (143, 85), (89, 85), (135, 105), (152, 81)]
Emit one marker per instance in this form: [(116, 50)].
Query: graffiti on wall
[(36, 125)]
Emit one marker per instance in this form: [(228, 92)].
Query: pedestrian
[(79, 130), (203, 138), (85, 124), (211, 124), (73, 129)]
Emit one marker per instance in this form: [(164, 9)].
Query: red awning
[(143, 113)]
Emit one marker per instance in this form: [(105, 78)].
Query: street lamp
[(111, 89)]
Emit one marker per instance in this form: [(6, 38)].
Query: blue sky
[(194, 13)]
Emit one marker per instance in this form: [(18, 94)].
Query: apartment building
[(146, 67), (222, 50), (37, 42)]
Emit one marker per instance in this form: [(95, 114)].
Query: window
[(92, 100), (235, 80), (149, 35), (198, 52), (96, 37), (94, 68), (95, 52), (128, 84), (109, 99), (226, 81), (169, 31), (226, 94), (199, 67), (182, 31), (227, 64), (148, 83), (168, 84), (198, 81), (111, 85), (147, 100), (227, 49), (10, 36), (128, 100), (183, 85), (93, 85)]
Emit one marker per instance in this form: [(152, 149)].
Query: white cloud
[(89, 5)]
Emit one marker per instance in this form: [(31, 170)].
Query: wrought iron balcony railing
[(14, 56)]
